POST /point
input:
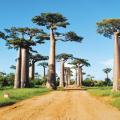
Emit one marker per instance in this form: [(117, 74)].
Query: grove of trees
[(24, 39)]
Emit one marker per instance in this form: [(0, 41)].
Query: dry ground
[(60, 105)]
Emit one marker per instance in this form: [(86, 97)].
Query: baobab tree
[(75, 68), (62, 58), (22, 39), (33, 59), (107, 71), (68, 74), (44, 65), (109, 28), (52, 21), (79, 63)]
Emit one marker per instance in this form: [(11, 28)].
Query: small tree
[(108, 28), (79, 63), (44, 65), (33, 59), (107, 79), (75, 68), (107, 71)]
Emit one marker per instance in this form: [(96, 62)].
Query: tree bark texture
[(24, 68), (116, 69), (51, 80), (18, 70)]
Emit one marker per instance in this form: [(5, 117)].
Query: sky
[(82, 16)]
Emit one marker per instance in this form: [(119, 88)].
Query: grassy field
[(20, 94), (114, 97)]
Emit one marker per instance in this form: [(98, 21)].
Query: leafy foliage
[(82, 62), (50, 20), (72, 36), (43, 64), (107, 27), (107, 70), (22, 37), (64, 57), (38, 57)]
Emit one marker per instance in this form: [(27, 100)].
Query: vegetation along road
[(60, 105)]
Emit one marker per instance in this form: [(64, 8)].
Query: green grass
[(20, 94), (106, 91)]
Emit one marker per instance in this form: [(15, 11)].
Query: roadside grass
[(106, 92), (20, 94)]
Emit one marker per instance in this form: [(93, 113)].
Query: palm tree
[(52, 21), (63, 57), (107, 71), (22, 39), (108, 28), (79, 63), (44, 65)]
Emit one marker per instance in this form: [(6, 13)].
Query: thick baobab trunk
[(62, 81), (24, 68), (18, 70), (51, 80), (116, 72), (32, 70)]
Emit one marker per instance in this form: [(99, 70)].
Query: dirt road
[(60, 105)]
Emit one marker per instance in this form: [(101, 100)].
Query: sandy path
[(60, 105)]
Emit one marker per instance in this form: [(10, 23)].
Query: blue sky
[(82, 15)]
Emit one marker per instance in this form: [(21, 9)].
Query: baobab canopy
[(64, 57), (107, 27), (80, 61), (22, 36), (50, 20)]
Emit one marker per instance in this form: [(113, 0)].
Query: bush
[(7, 80), (88, 83), (97, 83), (107, 82), (37, 82)]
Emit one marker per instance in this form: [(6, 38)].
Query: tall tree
[(22, 39), (107, 71), (109, 28), (79, 63), (44, 65), (52, 21), (62, 58)]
